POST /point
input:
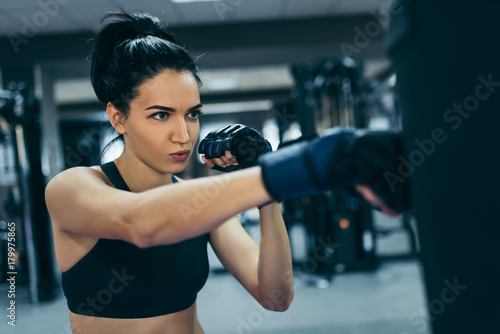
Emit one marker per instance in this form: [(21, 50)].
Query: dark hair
[(129, 50)]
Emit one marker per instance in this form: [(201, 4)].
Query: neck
[(139, 176)]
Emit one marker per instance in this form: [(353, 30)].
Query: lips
[(180, 155)]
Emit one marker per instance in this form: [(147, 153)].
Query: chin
[(177, 167)]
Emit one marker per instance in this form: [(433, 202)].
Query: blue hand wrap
[(300, 169)]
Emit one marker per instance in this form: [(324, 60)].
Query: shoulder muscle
[(81, 200)]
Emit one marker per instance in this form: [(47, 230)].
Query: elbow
[(278, 300), (280, 308), (145, 231), (140, 238), (137, 233)]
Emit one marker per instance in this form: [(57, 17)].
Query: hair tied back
[(148, 33)]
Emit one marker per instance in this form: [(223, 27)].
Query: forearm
[(173, 213), (275, 273)]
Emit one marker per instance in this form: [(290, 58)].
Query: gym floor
[(389, 300)]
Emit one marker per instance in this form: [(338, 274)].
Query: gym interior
[(289, 68)]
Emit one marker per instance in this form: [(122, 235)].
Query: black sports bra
[(116, 279)]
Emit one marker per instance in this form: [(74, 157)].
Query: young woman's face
[(162, 126)]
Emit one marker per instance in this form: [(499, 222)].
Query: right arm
[(81, 201)]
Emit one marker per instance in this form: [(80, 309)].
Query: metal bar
[(23, 181)]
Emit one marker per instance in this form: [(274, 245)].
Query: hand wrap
[(245, 143), (340, 159)]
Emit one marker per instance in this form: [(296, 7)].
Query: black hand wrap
[(245, 143)]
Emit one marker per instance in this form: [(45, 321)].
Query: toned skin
[(84, 206)]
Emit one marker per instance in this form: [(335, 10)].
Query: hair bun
[(130, 49), (124, 26), (121, 27)]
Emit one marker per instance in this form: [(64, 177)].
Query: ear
[(116, 118)]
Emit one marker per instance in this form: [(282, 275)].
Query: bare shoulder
[(76, 175), (75, 186), (74, 179), (83, 201)]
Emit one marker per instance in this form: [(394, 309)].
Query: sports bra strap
[(115, 177)]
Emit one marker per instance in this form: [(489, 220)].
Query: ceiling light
[(234, 107), (222, 84), (188, 1)]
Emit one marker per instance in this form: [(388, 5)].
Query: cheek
[(145, 135), (194, 130)]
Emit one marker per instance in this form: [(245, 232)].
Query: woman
[(130, 238), (113, 277)]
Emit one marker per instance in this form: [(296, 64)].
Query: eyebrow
[(198, 106)]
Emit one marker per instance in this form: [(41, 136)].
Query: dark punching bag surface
[(447, 59)]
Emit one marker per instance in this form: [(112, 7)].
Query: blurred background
[(290, 68)]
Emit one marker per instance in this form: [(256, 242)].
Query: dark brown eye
[(160, 115), (195, 113)]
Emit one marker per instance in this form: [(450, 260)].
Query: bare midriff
[(185, 321)]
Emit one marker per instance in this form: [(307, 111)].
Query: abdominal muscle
[(185, 322)]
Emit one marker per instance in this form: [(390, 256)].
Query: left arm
[(264, 270), (275, 258)]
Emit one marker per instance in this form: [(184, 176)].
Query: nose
[(180, 133)]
